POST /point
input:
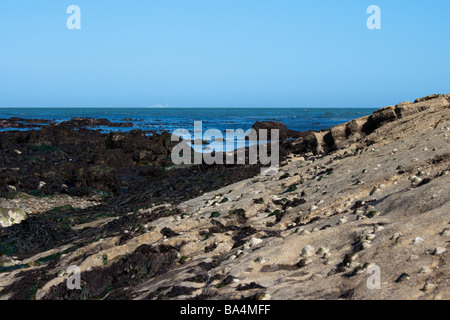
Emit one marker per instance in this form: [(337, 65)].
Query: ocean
[(170, 119)]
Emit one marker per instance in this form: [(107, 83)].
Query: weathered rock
[(8, 217), (307, 251), (304, 262)]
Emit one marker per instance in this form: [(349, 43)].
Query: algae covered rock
[(8, 217)]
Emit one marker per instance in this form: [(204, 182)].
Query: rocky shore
[(371, 194)]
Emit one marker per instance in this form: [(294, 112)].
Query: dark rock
[(249, 286), (169, 233)]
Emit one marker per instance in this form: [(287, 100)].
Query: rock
[(8, 217), (284, 133), (445, 232), (403, 277), (91, 122), (350, 258), (370, 236), (253, 242), (304, 262), (372, 214), (262, 296), (377, 228), (260, 260), (430, 97), (428, 287), (322, 251), (396, 236), (379, 118), (307, 251), (425, 270), (438, 251), (417, 240), (329, 262), (327, 255), (415, 180), (366, 244)]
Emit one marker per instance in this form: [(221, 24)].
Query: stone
[(350, 258), (417, 240), (253, 242), (403, 277), (8, 217), (438, 251), (304, 262), (425, 270), (370, 236), (307, 251), (322, 251), (428, 287)]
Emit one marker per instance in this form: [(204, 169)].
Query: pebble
[(254, 242), (372, 213), (438, 251), (350, 258), (263, 296), (260, 260), (329, 262), (396, 236), (366, 244), (415, 180), (307, 251), (304, 232), (304, 262), (370, 237), (425, 270), (417, 240), (428, 287), (377, 228), (322, 251), (403, 277), (342, 221)]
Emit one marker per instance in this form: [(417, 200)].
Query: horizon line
[(181, 107)]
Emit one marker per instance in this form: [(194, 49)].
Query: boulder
[(380, 117), (271, 125)]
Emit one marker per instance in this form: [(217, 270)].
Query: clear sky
[(222, 53)]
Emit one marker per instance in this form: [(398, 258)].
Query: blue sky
[(222, 53)]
